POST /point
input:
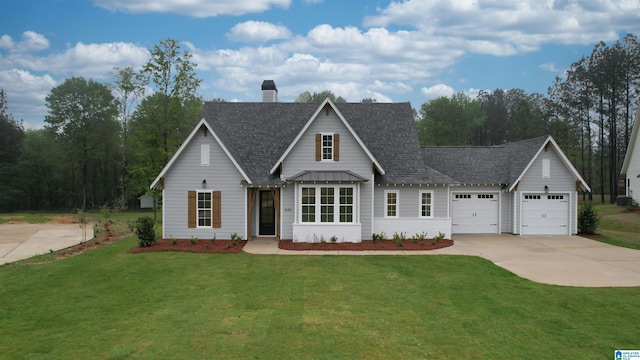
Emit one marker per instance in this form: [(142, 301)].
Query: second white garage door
[(545, 214), (475, 213)]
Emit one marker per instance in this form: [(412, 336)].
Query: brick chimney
[(269, 91)]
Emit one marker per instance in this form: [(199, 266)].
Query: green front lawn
[(618, 226), (109, 304)]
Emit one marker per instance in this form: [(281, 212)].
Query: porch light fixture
[(204, 183), (546, 188)]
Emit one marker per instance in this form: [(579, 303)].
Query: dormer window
[(327, 147)]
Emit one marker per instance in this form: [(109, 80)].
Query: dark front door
[(267, 213)]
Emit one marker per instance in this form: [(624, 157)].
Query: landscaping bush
[(587, 219), (145, 231)]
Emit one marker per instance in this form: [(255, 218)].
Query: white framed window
[(204, 155), (327, 147), (203, 209), (327, 201), (308, 200), (327, 204), (346, 204), (546, 168), (391, 203), (426, 203)]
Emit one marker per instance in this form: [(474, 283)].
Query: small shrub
[(235, 238), (587, 219), (418, 237), (174, 241), (438, 238), (379, 236), (399, 238), (632, 205), (131, 225), (334, 239), (213, 239), (145, 231), (193, 240), (106, 212), (322, 240)]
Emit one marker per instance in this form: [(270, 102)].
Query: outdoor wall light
[(204, 183), (546, 188)]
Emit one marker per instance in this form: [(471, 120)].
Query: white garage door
[(475, 213), (545, 214)]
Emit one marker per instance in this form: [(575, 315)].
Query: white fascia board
[(564, 159), (308, 124), (184, 145), (632, 143)]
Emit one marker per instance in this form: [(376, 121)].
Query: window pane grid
[(346, 204), (426, 204), (204, 209), (327, 147), (392, 204), (308, 204), (333, 204)]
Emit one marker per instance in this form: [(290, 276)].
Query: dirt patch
[(196, 246), (388, 245), (64, 219)]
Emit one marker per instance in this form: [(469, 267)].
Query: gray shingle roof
[(500, 164), (257, 134)]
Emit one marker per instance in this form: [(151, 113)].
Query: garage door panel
[(545, 214), (475, 213)]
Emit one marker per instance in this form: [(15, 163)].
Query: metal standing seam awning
[(342, 176)]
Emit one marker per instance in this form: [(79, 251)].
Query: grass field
[(619, 226), (110, 304)]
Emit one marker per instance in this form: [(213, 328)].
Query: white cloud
[(549, 67), (258, 31), (26, 93), (194, 8), (30, 42), (30, 78), (436, 91), (88, 60), (511, 27)]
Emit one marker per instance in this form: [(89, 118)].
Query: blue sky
[(390, 50)]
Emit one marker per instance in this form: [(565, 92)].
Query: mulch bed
[(407, 245), (200, 246)]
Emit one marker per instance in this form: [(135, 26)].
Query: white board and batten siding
[(409, 218), (186, 174), (546, 198), (303, 157)]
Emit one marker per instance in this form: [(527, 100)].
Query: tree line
[(589, 111), (103, 143)]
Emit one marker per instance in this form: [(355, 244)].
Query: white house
[(309, 172), (631, 165)]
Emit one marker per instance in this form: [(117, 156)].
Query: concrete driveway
[(22, 241), (557, 260)]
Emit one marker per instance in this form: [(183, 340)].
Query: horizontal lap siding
[(561, 180), (409, 220), (352, 157), (409, 200), (187, 174)]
